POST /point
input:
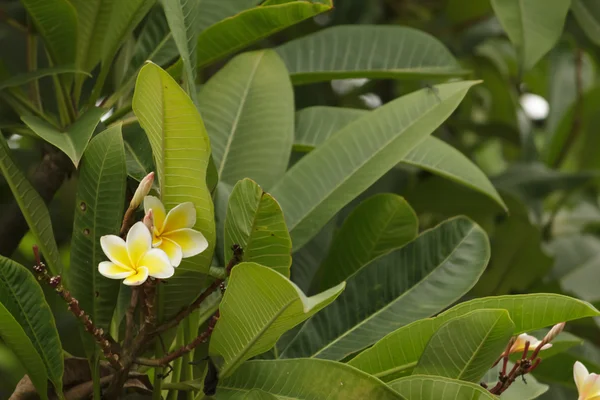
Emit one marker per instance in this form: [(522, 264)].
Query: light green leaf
[(98, 212), (416, 281), (312, 191), (245, 28), (439, 388), (368, 51), (465, 347), (532, 26), (248, 107), (304, 380), (314, 125), (22, 297), (13, 335), (528, 312), (56, 22), (75, 139), (181, 150), (587, 13), (377, 226), (26, 77), (32, 207), (257, 394), (257, 308), (255, 222)]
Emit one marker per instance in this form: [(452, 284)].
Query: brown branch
[(129, 325)]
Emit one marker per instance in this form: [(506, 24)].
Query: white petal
[(580, 373), (139, 241), (116, 250), (158, 210), (158, 264), (114, 271), (173, 251), (191, 242), (592, 386), (137, 279), (181, 216)]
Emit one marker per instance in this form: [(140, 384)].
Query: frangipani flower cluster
[(154, 250), (588, 385)]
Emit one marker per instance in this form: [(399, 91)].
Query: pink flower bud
[(142, 191), (556, 329), (149, 220)]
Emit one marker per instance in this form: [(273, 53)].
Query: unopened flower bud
[(142, 191), (149, 220), (556, 329)]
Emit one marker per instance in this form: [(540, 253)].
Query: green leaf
[(255, 222), (93, 25), (22, 297), (311, 192), (532, 26), (439, 388), (257, 394), (587, 14), (416, 281), (181, 151), (257, 308), (26, 77), (465, 347), (245, 28), (368, 52), (98, 212), (75, 139), (217, 10), (305, 380), (377, 226), (56, 22), (528, 312), (138, 152), (13, 335), (32, 207), (248, 107)]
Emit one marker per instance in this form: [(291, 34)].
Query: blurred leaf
[(100, 201), (575, 257), (519, 389), (465, 11), (181, 150), (26, 77), (377, 226), (214, 11), (312, 379), (257, 308), (32, 207), (532, 26), (528, 312), (465, 347), (245, 28), (421, 277), (559, 369), (22, 297), (74, 140), (248, 107), (255, 222), (439, 388), (138, 152), (368, 52), (311, 192), (587, 13)]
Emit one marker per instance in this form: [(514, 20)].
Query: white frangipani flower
[(588, 385), (519, 344)]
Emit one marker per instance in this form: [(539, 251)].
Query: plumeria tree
[(296, 199)]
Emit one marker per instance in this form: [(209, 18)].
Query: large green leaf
[(13, 335), (181, 150), (314, 125), (532, 26), (255, 222), (248, 107), (22, 297), (439, 388), (257, 394), (26, 77), (305, 380), (368, 52), (327, 178), (75, 139), (416, 281), (99, 204), (587, 13), (258, 307), (93, 24), (245, 28), (138, 152), (214, 11), (377, 226), (56, 22), (32, 207), (399, 351), (465, 347)]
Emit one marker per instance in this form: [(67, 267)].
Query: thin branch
[(129, 325)]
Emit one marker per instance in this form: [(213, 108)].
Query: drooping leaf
[(368, 52), (98, 212), (377, 226), (75, 139), (245, 28), (257, 308), (32, 207), (413, 282), (399, 351), (587, 13), (312, 379), (532, 26), (26, 77), (22, 297), (439, 388), (248, 107), (93, 24), (311, 192), (181, 151), (138, 152), (465, 347), (255, 222)]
